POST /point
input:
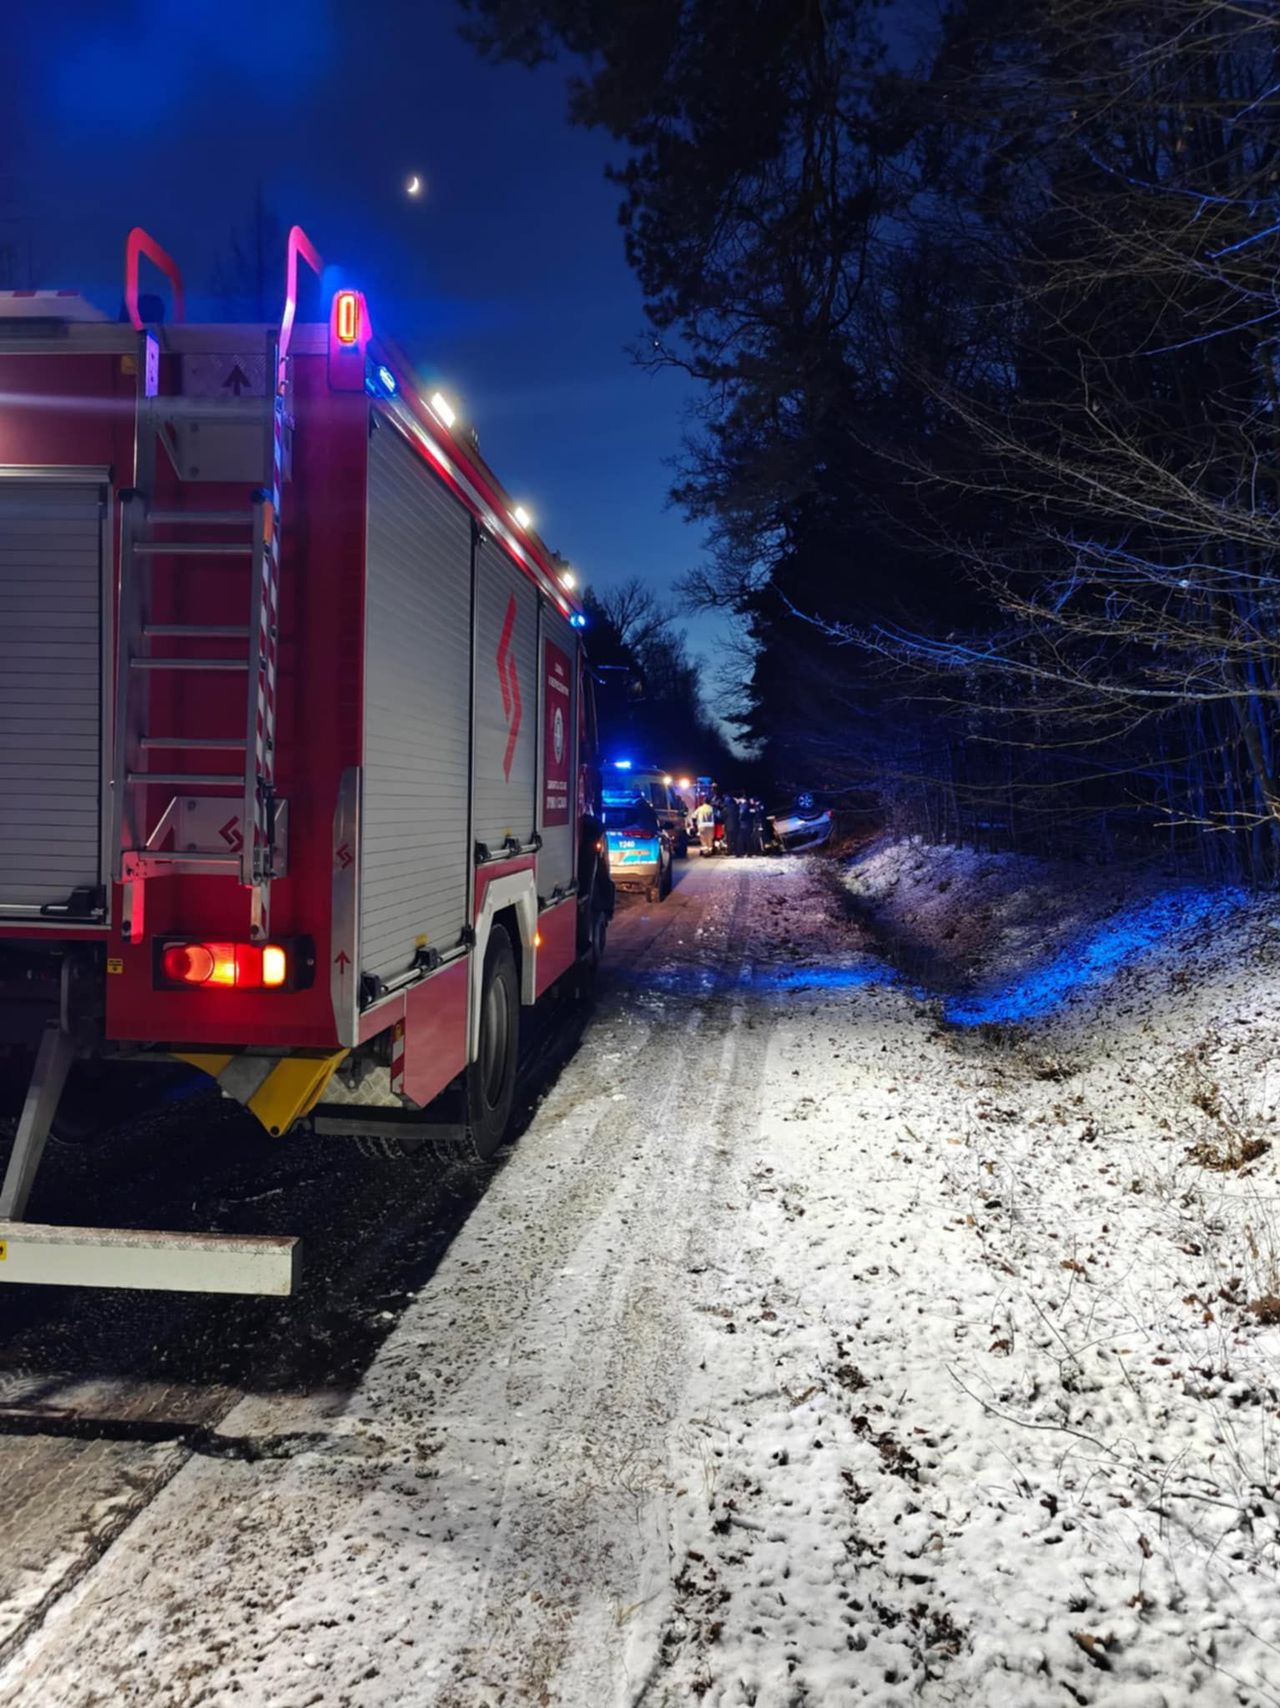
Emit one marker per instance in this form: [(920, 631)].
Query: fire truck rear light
[(346, 316), (189, 963), (184, 965)]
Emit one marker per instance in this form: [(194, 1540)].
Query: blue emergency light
[(622, 764)]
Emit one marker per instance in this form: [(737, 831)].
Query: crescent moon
[(414, 186)]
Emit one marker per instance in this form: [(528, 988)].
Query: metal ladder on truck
[(240, 827), (206, 436)]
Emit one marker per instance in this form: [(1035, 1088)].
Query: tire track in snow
[(585, 1473)]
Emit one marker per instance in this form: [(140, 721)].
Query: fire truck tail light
[(184, 965), (190, 963), (346, 316)]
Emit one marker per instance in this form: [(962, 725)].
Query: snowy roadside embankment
[(1110, 1196)]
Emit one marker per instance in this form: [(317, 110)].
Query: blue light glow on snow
[(1094, 956), (825, 978), (1085, 962)]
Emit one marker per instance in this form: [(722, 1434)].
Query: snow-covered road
[(804, 1352)]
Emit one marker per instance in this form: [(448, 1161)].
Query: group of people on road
[(730, 824)]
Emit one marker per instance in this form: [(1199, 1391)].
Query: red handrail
[(141, 243), (299, 244)]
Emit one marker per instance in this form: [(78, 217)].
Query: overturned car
[(802, 826)]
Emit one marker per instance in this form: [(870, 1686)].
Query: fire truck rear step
[(41, 1255), (44, 1256)]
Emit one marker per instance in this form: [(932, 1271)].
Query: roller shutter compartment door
[(506, 700), (51, 645), (414, 809), (558, 757)]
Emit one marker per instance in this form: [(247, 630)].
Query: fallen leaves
[(1094, 1648)]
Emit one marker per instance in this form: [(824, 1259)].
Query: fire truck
[(299, 780)]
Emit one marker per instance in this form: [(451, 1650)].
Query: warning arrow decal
[(509, 682)]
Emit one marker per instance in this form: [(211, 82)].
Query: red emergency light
[(349, 334), (346, 316), (198, 964)]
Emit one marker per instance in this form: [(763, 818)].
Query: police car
[(639, 846)]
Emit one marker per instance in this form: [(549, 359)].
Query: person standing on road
[(705, 820), (732, 826), (750, 826)]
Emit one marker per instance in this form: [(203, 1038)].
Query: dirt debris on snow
[(828, 1339)]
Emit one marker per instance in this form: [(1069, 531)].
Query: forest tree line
[(984, 305)]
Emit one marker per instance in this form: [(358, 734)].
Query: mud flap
[(278, 1090)]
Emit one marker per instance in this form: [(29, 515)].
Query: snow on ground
[(826, 1340)]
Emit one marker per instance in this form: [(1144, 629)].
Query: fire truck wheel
[(591, 957), (491, 1078)]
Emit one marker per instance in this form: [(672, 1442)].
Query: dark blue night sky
[(506, 282)]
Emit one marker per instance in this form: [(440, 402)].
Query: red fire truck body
[(298, 767)]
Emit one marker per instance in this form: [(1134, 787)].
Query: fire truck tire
[(387, 1149), (591, 957), (491, 1078)]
